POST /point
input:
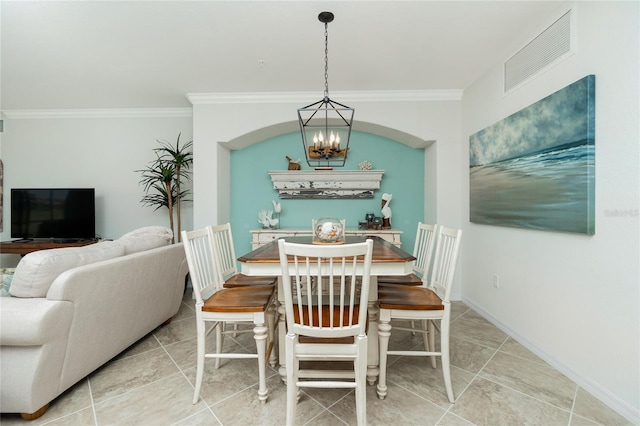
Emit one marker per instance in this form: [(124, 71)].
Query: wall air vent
[(547, 48)]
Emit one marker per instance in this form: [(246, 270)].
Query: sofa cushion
[(146, 238), (36, 271)]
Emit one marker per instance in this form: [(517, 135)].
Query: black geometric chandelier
[(326, 124)]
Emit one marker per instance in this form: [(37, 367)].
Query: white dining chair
[(216, 306), (328, 323), (428, 304), (423, 252), (227, 267)]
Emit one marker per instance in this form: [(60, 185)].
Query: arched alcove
[(253, 154), (224, 125)]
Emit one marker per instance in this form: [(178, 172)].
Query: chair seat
[(241, 280), (393, 288), (240, 299), (411, 279), (326, 323), (410, 298), (325, 316)]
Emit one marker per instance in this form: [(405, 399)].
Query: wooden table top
[(383, 251)]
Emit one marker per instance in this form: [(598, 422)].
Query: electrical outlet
[(496, 281)]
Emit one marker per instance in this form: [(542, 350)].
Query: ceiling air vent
[(548, 47)]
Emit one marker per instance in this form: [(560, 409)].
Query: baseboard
[(612, 401)]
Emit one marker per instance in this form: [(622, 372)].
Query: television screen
[(58, 213)]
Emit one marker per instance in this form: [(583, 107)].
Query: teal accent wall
[(252, 189)]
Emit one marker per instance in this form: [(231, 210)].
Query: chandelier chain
[(325, 125), (326, 60)]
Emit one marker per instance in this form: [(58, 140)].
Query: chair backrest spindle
[(199, 250), (321, 293), (224, 251), (444, 264), (423, 249)]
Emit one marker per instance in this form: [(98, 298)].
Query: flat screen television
[(63, 214)]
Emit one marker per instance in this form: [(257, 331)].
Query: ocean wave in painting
[(549, 189)]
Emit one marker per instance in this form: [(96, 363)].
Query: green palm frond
[(162, 179)]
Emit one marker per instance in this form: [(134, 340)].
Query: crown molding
[(97, 113), (301, 97), (235, 98)]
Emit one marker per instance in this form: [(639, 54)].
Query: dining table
[(387, 259)]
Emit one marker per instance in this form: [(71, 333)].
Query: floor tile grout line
[(57, 419), (446, 410), (478, 375), (475, 342), (526, 394), (326, 410), (93, 403), (511, 388), (541, 362), (173, 360), (420, 396), (475, 377), (206, 408), (133, 389), (182, 371), (573, 403)]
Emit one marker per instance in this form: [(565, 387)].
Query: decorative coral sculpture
[(266, 219)]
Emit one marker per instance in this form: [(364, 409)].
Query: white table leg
[(282, 332), (373, 359)]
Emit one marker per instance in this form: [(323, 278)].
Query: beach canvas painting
[(535, 168)]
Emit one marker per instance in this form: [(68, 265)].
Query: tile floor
[(496, 382)]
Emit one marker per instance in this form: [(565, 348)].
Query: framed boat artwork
[(536, 168)]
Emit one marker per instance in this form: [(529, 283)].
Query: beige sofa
[(87, 314)]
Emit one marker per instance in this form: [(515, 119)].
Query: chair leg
[(360, 366), (200, 350), (432, 340), (219, 342), (384, 331), (281, 335), (425, 334), (271, 333), (292, 379), (444, 348), (260, 335)]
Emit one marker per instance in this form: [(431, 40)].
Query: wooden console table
[(260, 237), (24, 247)]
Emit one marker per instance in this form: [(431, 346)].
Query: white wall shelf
[(326, 183)]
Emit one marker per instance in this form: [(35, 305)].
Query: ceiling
[(150, 54)]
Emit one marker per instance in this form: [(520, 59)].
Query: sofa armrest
[(33, 321), (33, 341)]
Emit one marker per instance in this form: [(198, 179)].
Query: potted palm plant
[(162, 179)]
